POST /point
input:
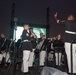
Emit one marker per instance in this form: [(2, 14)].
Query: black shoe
[(74, 74), (30, 68), (27, 73)]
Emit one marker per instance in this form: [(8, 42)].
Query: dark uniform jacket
[(26, 45), (69, 26)]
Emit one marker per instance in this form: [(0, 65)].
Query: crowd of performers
[(42, 48), (35, 51)]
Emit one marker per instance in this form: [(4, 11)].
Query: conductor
[(70, 35)]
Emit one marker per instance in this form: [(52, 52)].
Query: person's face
[(35, 37), (51, 39), (41, 35), (59, 36), (31, 30), (70, 18), (26, 27), (2, 36)]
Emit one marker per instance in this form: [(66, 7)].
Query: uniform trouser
[(31, 59), (26, 55), (42, 57), (50, 56), (68, 52), (6, 56), (58, 58), (1, 56)]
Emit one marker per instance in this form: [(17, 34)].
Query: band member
[(58, 46), (2, 47), (40, 39), (26, 47), (50, 50), (33, 41), (43, 51), (32, 55), (31, 32), (4, 50), (70, 35)]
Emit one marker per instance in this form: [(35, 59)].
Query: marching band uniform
[(58, 46), (70, 35), (3, 52), (42, 55), (43, 51), (27, 48), (32, 55), (6, 45)]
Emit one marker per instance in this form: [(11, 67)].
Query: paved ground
[(33, 71), (10, 71)]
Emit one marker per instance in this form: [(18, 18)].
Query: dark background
[(34, 11)]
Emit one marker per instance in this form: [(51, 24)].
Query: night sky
[(34, 11)]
